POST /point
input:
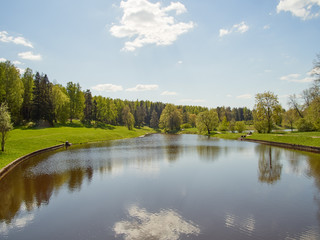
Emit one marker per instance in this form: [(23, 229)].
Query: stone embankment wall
[(10, 166), (285, 145)]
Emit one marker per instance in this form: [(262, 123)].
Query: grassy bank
[(300, 138), (23, 141)]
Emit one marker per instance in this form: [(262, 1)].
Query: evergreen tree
[(154, 122)]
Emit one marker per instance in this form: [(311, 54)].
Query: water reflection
[(164, 225), (246, 225), (269, 164), (193, 174)]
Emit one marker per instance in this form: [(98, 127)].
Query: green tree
[(128, 117), (11, 89), (61, 103), (77, 100), (240, 126), (27, 81), (290, 117), (154, 122), (266, 111), (5, 124), (207, 121), (88, 109), (170, 118), (224, 125)]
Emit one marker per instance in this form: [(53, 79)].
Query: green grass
[(301, 138), (23, 141)]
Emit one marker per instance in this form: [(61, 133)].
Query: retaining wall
[(285, 145), (10, 166)]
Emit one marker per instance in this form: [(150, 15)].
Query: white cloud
[(240, 28), (3, 59), (30, 56), (180, 62), (17, 62), (305, 9), (4, 37), (21, 70), (229, 95), (265, 27), (295, 77), (142, 88), (167, 93), (107, 88), (245, 96), (165, 224), (145, 22)]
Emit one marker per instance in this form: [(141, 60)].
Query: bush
[(240, 127), (305, 125), (186, 125)]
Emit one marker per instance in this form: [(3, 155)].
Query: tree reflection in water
[(269, 164), (166, 224)]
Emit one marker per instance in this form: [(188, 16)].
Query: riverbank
[(25, 141)]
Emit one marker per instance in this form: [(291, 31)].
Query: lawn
[(23, 141), (300, 138)]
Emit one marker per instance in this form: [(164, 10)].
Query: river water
[(164, 187)]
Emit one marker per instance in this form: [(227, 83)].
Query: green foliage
[(170, 118), (186, 125), (267, 111), (27, 81), (224, 125), (240, 126), (77, 100), (207, 121), (61, 103), (154, 122), (5, 124), (11, 89), (304, 125), (128, 117)]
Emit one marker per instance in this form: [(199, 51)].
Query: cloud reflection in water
[(166, 224)]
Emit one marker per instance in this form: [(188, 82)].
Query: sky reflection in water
[(176, 187)]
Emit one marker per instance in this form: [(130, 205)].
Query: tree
[(61, 102), (224, 125), (207, 121), (88, 109), (154, 122), (170, 118), (140, 115), (5, 124), (11, 89), (27, 81), (266, 111), (240, 126), (290, 117), (76, 97), (128, 117)]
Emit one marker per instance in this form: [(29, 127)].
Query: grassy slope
[(23, 141), (301, 138)]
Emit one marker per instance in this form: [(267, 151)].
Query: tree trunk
[(2, 142)]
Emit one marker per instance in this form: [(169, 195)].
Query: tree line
[(33, 98)]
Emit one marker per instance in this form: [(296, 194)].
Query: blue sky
[(205, 52)]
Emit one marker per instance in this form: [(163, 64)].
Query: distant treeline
[(33, 98)]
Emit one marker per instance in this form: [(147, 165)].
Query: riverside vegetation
[(32, 100)]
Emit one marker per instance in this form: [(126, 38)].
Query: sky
[(206, 52)]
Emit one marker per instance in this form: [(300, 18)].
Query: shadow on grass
[(74, 124)]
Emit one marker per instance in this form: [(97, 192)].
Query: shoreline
[(285, 145), (6, 169)]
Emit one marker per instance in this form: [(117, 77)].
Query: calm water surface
[(164, 187)]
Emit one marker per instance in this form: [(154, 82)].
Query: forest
[(33, 99)]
